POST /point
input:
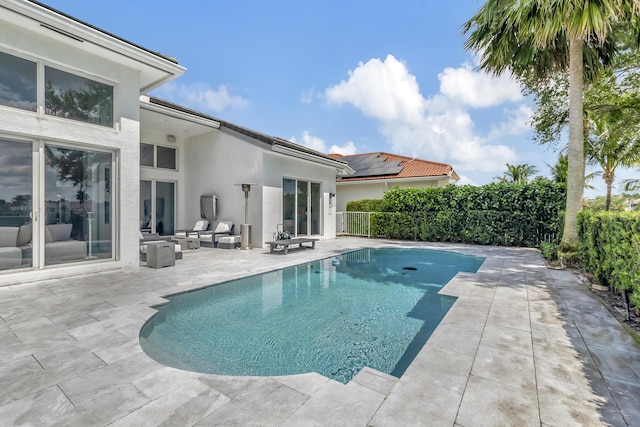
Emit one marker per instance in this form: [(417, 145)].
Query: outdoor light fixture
[(171, 138)]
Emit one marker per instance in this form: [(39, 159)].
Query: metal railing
[(353, 224)]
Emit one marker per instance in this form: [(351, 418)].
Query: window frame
[(155, 156), (41, 88)]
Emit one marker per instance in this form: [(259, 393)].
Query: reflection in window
[(146, 155), (159, 217), (289, 205), (302, 208), (18, 82), (78, 98), (301, 201), (15, 205), (315, 208), (77, 205), (166, 157), (158, 156)]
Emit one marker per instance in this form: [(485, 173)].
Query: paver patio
[(523, 345)]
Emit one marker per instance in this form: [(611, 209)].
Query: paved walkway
[(522, 346)]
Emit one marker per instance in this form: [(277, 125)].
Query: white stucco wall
[(213, 164), (122, 139), (347, 192), (278, 166)]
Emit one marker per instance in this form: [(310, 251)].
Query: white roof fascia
[(341, 168), (155, 69), (145, 104)]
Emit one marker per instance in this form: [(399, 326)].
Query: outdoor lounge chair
[(200, 226), (208, 238)]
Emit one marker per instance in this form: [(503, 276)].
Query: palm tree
[(610, 145), (631, 184), (540, 37), (518, 174), (560, 169)]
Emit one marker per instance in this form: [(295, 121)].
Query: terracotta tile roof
[(411, 167)]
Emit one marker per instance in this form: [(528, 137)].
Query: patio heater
[(245, 229)]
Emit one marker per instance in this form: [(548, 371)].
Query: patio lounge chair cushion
[(223, 227), (208, 238), (200, 225)]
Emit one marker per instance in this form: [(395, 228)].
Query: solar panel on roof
[(373, 165)]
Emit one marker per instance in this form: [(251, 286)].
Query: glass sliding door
[(16, 188), (165, 208), (157, 207), (315, 208), (78, 205), (301, 207), (289, 205)]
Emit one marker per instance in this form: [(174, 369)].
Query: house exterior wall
[(122, 139), (360, 190), (278, 166), (213, 163)]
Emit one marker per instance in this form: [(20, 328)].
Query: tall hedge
[(609, 248), (496, 214)]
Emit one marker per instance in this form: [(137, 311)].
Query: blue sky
[(338, 76)]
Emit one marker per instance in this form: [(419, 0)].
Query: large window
[(78, 98), (70, 221), (18, 82), (65, 94), (301, 207)]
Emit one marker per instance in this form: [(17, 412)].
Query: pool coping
[(522, 345)]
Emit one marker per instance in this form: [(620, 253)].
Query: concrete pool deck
[(523, 345)]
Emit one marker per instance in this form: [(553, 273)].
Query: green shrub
[(549, 251), (365, 205), (494, 214), (609, 248)]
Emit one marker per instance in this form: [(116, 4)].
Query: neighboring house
[(375, 173), (82, 148)]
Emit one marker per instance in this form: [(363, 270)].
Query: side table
[(161, 254)]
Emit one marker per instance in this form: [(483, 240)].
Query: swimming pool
[(376, 308)]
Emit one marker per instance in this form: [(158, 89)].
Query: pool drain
[(409, 268)]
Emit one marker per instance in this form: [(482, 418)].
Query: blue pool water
[(376, 308)]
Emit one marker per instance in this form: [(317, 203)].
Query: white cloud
[(477, 89), (380, 89), (320, 145), (519, 121), (200, 96), (465, 180), (438, 128)]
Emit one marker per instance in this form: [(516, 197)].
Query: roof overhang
[(341, 167), (154, 69), (173, 121)]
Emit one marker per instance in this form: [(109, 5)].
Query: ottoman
[(161, 254), (229, 242)]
